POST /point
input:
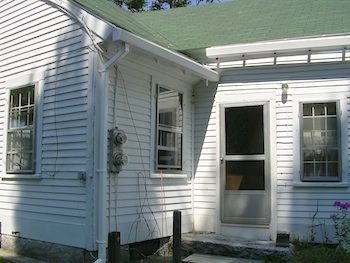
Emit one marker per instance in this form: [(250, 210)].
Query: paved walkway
[(203, 258), (194, 258), (9, 255), (199, 258)]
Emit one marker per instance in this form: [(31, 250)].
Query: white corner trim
[(167, 54), (278, 46)]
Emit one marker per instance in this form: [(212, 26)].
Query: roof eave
[(290, 45), (166, 54)]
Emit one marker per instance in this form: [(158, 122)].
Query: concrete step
[(204, 258), (213, 244)]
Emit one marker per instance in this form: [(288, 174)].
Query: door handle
[(221, 160)]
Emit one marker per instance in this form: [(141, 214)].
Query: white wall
[(142, 203), (41, 45), (294, 205)]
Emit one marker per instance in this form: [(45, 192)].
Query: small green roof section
[(123, 19), (246, 21)]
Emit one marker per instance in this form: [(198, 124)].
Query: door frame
[(249, 99)]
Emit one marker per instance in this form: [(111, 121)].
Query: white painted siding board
[(52, 43), (205, 200), (35, 18), (33, 40), (47, 54), (134, 82), (9, 5)]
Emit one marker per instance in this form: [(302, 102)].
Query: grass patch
[(315, 253), (319, 253), (2, 260)]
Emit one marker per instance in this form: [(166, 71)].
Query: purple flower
[(342, 206), (334, 217), (337, 203)]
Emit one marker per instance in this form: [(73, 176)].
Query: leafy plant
[(321, 225), (342, 224), (320, 253), (2, 260)]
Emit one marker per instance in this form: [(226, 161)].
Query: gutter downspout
[(102, 171), (192, 157)]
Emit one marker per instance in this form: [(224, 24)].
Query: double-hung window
[(169, 150), (320, 142), (20, 132)]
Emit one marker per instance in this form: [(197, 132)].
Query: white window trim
[(37, 80), (184, 173), (339, 97)]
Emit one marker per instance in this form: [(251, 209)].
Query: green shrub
[(320, 253)]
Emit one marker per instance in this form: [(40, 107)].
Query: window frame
[(303, 148), (12, 130), (173, 129), (298, 101), (36, 78)]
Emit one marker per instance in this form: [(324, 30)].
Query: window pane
[(331, 108), (20, 140), (319, 124), (14, 119), (333, 170), (245, 175), (308, 124), (170, 126), (331, 123), (307, 109), (20, 162), (332, 155), (166, 118), (244, 130), (307, 138), (319, 109)]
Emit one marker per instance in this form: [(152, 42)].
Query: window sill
[(168, 175), (321, 184), (20, 176)]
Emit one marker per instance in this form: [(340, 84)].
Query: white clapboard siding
[(295, 205), (205, 181), (38, 39), (138, 204)]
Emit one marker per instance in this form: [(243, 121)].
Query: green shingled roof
[(238, 21), (123, 19), (243, 21)]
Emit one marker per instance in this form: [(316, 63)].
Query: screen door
[(244, 165)]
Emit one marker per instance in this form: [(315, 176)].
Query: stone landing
[(213, 244)]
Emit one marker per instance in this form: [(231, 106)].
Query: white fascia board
[(278, 46), (166, 54)]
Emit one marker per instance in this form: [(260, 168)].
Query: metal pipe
[(102, 171)]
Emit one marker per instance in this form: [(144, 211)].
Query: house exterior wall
[(41, 45), (294, 203), (44, 46), (141, 202)]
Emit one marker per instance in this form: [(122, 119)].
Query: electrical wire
[(144, 204)]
